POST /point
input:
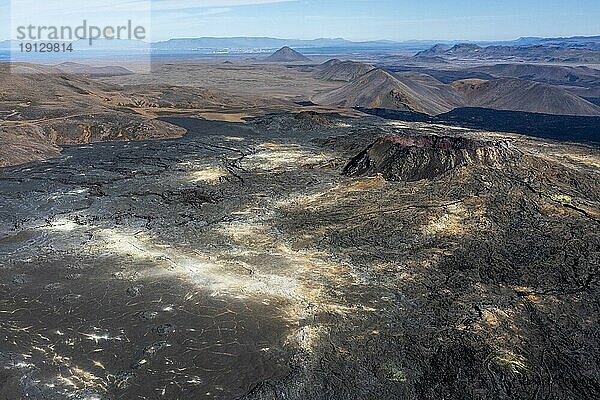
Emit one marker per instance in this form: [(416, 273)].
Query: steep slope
[(380, 89), (430, 89), (521, 95), (286, 54), (344, 71)]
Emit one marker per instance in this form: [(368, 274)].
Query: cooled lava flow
[(414, 158)]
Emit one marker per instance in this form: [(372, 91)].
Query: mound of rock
[(413, 158), (315, 120)]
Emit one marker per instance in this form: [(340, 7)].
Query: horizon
[(357, 20), (432, 40), (381, 40)]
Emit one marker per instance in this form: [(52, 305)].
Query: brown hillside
[(521, 95), (381, 89)]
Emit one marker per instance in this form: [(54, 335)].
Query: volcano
[(286, 54), (414, 158), (406, 92)]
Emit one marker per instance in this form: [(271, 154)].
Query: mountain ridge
[(382, 89), (421, 93)]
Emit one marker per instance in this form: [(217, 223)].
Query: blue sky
[(364, 19)]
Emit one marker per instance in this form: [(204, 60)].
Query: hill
[(88, 70), (411, 158), (431, 89), (582, 81), (343, 71), (421, 93), (42, 108), (381, 89), (286, 54), (521, 95), (550, 74), (328, 64), (44, 85), (434, 51)]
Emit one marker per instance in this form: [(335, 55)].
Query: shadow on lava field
[(239, 262)]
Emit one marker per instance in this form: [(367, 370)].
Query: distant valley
[(73, 102)]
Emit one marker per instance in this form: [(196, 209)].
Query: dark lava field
[(303, 257)]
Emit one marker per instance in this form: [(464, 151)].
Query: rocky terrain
[(43, 108), (240, 261), (254, 230), (413, 158)]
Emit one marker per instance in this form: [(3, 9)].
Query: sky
[(350, 19)]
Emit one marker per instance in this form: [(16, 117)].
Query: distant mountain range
[(262, 43), (550, 50), (268, 43), (576, 42)]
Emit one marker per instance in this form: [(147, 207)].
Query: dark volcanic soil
[(412, 158), (555, 127), (238, 262)]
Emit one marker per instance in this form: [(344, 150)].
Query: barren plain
[(241, 242)]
